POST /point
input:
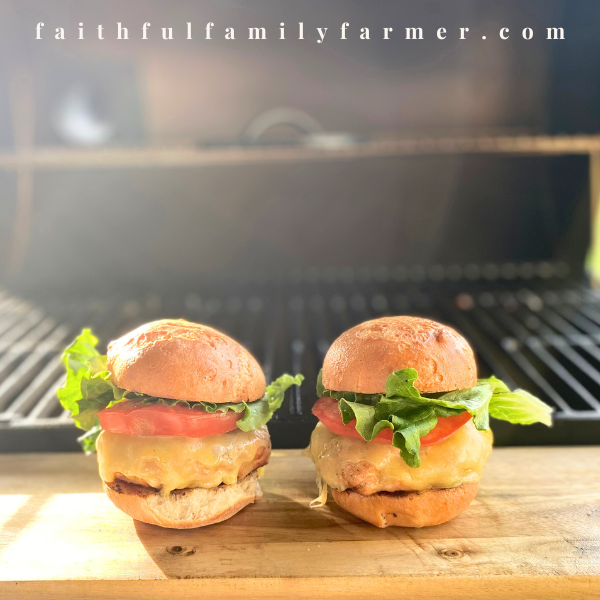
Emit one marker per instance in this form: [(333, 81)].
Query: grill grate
[(544, 337)]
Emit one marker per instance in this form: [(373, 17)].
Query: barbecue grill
[(484, 182), (532, 324)]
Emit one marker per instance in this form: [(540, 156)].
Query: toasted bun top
[(361, 359), (185, 361)]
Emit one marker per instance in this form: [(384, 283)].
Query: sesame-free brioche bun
[(408, 509), (185, 361), (184, 509), (363, 357)]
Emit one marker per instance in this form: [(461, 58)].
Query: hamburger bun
[(183, 509), (185, 361), (363, 357), (408, 509)]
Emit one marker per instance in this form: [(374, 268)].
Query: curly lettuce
[(410, 415), (88, 389)]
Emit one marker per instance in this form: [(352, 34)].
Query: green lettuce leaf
[(87, 441), (350, 396), (408, 431), (520, 408), (411, 415), (258, 413), (88, 389)]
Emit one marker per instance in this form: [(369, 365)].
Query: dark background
[(93, 229)]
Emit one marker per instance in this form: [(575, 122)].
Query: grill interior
[(529, 325)]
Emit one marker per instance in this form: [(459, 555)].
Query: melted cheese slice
[(457, 460), (170, 463)]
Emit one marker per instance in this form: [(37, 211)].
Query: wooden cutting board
[(533, 532)]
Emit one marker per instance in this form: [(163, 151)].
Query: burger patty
[(352, 464), (122, 486), (172, 463)]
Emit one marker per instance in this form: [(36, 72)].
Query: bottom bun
[(408, 509), (183, 509)]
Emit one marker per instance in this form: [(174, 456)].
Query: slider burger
[(403, 433), (177, 414)]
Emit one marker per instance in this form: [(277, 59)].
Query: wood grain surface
[(533, 532)]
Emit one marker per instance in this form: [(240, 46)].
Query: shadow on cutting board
[(241, 546), (275, 537)]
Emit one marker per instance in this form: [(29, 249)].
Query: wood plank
[(534, 531), (193, 156), (386, 588)]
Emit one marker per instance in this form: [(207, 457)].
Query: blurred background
[(284, 190)]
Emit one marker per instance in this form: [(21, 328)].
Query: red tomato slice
[(327, 411), (445, 427), (133, 418)]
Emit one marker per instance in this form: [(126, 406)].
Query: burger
[(177, 413), (403, 433)]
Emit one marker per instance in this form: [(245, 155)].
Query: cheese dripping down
[(170, 463), (368, 467)]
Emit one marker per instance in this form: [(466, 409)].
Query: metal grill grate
[(544, 337)]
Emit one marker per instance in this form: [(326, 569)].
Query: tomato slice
[(445, 427), (133, 418), (327, 411)]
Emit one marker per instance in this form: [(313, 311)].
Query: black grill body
[(529, 325)]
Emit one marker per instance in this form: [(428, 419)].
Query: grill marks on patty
[(121, 486)]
